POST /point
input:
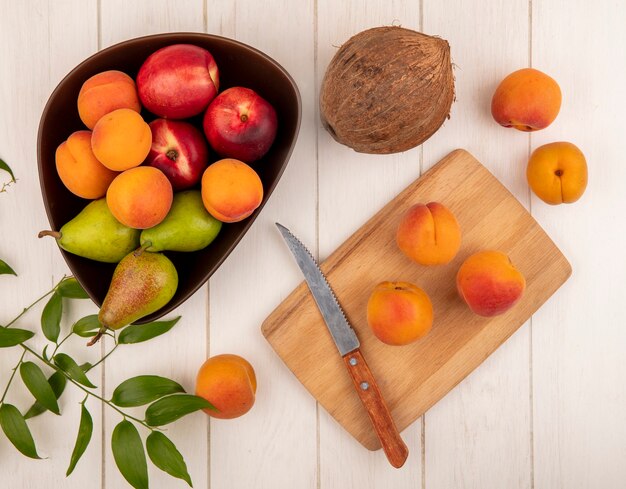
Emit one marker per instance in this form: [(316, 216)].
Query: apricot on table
[(399, 313), (557, 173), (229, 383), (527, 100), (141, 197), (489, 283), (79, 169), (429, 234), (231, 190), (104, 93), (121, 139)]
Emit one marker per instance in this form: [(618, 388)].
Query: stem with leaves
[(167, 399), (6, 389)]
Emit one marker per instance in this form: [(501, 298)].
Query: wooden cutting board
[(414, 377)]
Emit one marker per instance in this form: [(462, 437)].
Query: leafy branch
[(6, 168), (4, 267), (166, 399)]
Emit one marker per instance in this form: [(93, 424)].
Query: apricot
[(557, 173), (79, 169), (489, 283), (527, 100), (141, 197), (231, 190), (121, 139), (429, 234), (399, 313), (104, 93), (229, 383)]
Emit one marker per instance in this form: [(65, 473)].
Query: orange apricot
[(229, 383), (121, 139), (489, 283), (104, 93), (399, 313), (557, 173), (141, 197), (527, 100), (231, 190), (429, 234), (79, 169)]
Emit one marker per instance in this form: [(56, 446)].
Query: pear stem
[(144, 247), (96, 338), (54, 234)]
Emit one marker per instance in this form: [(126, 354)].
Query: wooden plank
[(179, 354), (38, 32), (479, 434), (578, 343), (274, 445), (352, 187)]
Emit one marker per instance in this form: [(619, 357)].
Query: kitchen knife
[(348, 346)]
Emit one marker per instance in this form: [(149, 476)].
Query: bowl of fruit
[(155, 156)]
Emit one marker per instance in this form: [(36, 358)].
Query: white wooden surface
[(547, 410)]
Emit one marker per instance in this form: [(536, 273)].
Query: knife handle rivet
[(353, 361), (365, 386)]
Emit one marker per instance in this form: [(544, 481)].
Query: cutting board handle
[(365, 384)]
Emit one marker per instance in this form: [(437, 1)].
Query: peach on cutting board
[(231, 190), (557, 173), (104, 93), (429, 234), (229, 383), (399, 313), (141, 197), (79, 169), (121, 139), (489, 283), (527, 100)]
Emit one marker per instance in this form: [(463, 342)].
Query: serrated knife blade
[(348, 345), (333, 315)]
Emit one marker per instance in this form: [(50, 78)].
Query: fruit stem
[(244, 117), (172, 154), (54, 234), (97, 337), (144, 247)]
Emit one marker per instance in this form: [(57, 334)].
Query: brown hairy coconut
[(388, 89)]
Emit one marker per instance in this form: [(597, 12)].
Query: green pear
[(142, 283), (187, 227), (95, 234)]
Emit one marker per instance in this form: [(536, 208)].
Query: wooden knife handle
[(365, 384)]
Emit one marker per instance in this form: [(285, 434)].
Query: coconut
[(387, 89)]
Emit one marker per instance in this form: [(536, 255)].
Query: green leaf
[(129, 455), (51, 317), (171, 408), (38, 385), (6, 269), (136, 333), (71, 289), (57, 382), (85, 429), (15, 427), (71, 368), (6, 168), (143, 389), (166, 456), (13, 336), (87, 327)]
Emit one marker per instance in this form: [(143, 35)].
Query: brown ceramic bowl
[(239, 65)]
